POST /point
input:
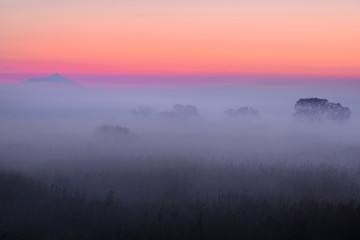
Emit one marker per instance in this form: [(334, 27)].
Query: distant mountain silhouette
[(54, 79)]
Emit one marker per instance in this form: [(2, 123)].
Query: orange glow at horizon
[(110, 37)]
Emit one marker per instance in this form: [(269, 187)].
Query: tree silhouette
[(243, 112), (185, 110), (180, 110), (115, 131), (142, 111), (316, 109)]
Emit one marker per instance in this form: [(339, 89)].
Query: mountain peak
[(52, 80)]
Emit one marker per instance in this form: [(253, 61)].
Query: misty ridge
[(192, 156)]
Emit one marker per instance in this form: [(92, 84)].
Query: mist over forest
[(177, 161)]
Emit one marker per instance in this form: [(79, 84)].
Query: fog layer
[(53, 134)]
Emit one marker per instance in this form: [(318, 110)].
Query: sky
[(110, 37)]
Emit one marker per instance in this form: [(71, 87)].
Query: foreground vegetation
[(250, 185), (37, 210)]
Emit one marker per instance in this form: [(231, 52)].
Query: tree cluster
[(316, 109), (243, 112), (180, 110), (142, 111), (115, 131)]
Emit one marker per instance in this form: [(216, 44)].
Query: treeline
[(306, 109)]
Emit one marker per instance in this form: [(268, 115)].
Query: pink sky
[(314, 37)]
